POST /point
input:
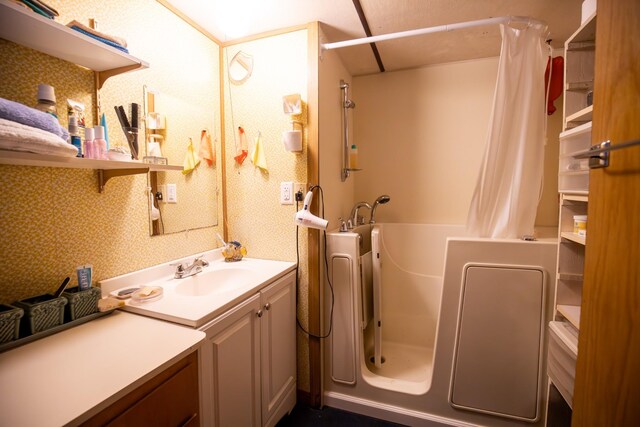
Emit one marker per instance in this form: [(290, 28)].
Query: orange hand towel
[(207, 151), (241, 150)]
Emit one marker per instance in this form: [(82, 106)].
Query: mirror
[(177, 201)]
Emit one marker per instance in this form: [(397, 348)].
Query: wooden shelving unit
[(27, 28)]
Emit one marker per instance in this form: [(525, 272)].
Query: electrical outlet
[(286, 193), (172, 193)]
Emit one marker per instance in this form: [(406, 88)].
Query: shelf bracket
[(105, 174), (104, 75)]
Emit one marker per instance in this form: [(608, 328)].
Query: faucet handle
[(343, 225)]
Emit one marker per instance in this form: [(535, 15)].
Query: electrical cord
[(326, 269)]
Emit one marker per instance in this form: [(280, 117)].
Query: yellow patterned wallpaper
[(256, 217), (54, 219)]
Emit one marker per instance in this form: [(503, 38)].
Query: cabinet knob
[(267, 306), (259, 313)]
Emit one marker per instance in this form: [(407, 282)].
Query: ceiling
[(228, 20)]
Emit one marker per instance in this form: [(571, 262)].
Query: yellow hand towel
[(207, 151), (258, 157), (191, 159)]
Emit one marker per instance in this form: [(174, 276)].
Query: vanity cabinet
[(169, 399), (248, 365)]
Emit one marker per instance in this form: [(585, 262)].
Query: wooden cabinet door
[(278, 330), (607, 388), (169, 399), (234, 343)]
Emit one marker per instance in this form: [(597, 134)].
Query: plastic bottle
[(353, 157), (88, 143), (99, 144), (47, 100), (74, 134)]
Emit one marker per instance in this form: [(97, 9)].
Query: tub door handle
[(598, 154)]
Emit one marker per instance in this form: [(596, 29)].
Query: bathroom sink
[(214, 281)]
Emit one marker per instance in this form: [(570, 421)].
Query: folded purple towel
[(28, 116)]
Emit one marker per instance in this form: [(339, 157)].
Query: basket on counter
[(9, 322), (81, 303), (41, 313)]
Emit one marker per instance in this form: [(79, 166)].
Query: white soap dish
[(147, 294)]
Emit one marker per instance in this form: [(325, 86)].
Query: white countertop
[(70, 376)]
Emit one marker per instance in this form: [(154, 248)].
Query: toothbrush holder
[(41, 313), (81, 303), (10, 322)]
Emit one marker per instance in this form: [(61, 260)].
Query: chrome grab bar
[(598, 154)]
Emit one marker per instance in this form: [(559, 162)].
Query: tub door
[(498, 350)]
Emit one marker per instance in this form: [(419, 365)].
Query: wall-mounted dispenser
[(292, 139)]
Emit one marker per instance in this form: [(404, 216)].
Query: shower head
[(384, 199)]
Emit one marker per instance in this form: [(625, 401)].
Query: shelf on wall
[(576, 197), (27, 28), (571, 313), (107, 169)]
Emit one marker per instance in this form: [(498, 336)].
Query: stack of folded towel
[(26, 129), (39, 7), (113, 41)]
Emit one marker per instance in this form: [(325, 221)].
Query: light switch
[(172, 193)]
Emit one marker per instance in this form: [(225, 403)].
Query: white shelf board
[(582, 116), (576, 197), (578, 130), (585, 33), (32, 159), (571, 313), (573, 237), (29, 29), (575, 277)]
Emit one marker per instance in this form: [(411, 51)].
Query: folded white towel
[(18, 137)]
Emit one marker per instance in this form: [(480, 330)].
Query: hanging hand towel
[(207, 151), (241, 150), (191, 159), (258, 157)]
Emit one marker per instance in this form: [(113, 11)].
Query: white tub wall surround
[(509, 185), (433, 286)]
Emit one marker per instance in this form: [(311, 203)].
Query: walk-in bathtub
[(433, 328)]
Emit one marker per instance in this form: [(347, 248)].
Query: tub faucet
[(356, 219), (195, 267)]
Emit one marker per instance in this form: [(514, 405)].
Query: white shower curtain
[(508, 190)]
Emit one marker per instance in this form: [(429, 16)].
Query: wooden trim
[(223, 150), (313, 236), (190, 21), (367, 31), (303, 397), (266, 34)]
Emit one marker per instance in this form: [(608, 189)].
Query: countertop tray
[(26, 340)]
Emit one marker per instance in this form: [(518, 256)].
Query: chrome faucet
[(356, 219), (195, 267)]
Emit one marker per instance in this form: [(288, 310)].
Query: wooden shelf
[(29, 29), (571, 313), (573, 237)]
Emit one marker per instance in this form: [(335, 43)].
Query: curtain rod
[(436, 29)]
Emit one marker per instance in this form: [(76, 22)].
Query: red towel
[(555, 85)]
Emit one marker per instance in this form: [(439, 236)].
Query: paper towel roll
[(292, 140)]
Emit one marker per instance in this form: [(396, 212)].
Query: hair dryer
[(306, 219)]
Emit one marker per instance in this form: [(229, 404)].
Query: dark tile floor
[(303, 415)]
